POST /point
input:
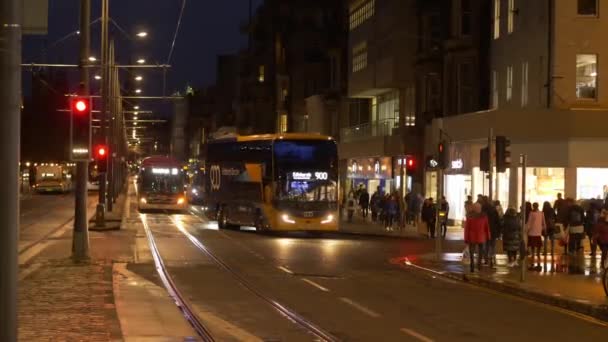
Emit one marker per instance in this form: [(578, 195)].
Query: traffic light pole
[(80, 236), (101, 208), (10, 128), (112, 127)]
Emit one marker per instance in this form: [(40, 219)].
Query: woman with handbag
[(550, 232)]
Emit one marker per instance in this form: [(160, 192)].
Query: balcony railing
[(381, 128)]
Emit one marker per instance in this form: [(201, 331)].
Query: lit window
[(524, 84), (359, 57), (494, 89), (587, 7), (509, 83), (283, 123), (360, 13), (261, 73), (586, 76), (496, 19), (410, 106), (511, 17)]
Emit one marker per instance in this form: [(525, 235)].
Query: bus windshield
[(162, 183)]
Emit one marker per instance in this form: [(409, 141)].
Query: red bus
[(161, 184)]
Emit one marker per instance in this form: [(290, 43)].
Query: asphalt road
[(345, 285)]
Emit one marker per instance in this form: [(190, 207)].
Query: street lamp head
[(142, 34), (97, 77), (136, 107), (141, 61), (92, 59), (137, 91), (139, 78)]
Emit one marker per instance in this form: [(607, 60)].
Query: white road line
[(285, 269), (324, 289), (360, 307), (416, 335)]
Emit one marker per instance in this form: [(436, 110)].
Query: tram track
[(292, 316)]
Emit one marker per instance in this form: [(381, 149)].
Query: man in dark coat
[(364, 202)]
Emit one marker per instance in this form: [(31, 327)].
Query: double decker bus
[(273, 182), (161, 184)]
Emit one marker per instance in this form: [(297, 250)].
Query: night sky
[(209, 27)]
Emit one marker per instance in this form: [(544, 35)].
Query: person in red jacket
[(476, 234), (600, 234)]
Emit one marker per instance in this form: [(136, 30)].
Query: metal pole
[(491, 157), (437, 217), (80, 237), (10, 128), (522, 254), (100, 216), (112, 123)]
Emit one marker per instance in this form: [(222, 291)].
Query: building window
[(587, 7), (283, 123), (388, 107), (410, 107), (496, 19), (494, 89), (466, 77), (511, 17), (509, 83), (360, 12), (359, 57), (524, 84), (466, 17), (261, 73), (586, 76)]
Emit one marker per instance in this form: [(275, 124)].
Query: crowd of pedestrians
[(566, 222)]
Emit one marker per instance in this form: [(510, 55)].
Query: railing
[(381, 128)]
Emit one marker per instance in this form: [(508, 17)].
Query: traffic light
[(80, 129), (410, 164), (101, 157), (484, 159), (443, 155), (503, 155)]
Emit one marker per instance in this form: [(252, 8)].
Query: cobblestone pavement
[(66, 301)]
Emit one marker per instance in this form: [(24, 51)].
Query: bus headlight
[(181, 200), (328, 219), (287, 219), (143, 200)]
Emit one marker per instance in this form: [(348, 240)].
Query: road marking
[(285, 269), (360, 307), (416, 335), (324, 289), (31, 269)]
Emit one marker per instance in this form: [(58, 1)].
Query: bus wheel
[(259, 224)]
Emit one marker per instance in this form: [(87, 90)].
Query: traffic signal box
[(80, 129)]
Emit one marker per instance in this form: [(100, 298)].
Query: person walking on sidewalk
[(476, 234), (375, 204), (511, 235), (576, 228), (444, 210), (591, 217), (600, 235), (364, 202), (535, 227), (350, 206), (391, 207), (549, 233), (428, 216)]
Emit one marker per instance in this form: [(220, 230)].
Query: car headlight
[(143, 200), (181, 200), (328, 219), (287, 219), (194, 191)]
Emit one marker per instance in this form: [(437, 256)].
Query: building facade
[(546, 97)]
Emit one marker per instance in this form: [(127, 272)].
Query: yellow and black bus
[(273, 182)]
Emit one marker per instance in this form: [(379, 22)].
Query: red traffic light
[(80, 105), (410, 163), (101, 152)]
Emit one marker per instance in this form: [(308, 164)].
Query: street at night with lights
[(303, 170)]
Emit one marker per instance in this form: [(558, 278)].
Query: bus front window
[(162, 184)]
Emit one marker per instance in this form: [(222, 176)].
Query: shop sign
[(431, 162), (457, 164)]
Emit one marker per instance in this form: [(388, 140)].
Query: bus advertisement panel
[(272, 182)]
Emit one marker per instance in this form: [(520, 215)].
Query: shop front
[(371, 173)]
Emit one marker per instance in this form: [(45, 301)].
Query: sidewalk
[(100, 299), (569, 282), (365, 226)]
